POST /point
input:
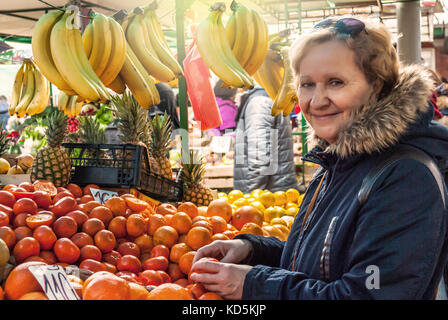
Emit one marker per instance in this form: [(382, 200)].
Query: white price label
[(54, 282), (102, 195), (221, 144)]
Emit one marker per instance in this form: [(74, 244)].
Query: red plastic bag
[(200, 91)]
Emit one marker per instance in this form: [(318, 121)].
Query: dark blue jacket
[(400, 231)]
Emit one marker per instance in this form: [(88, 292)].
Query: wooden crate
[(219, 177)]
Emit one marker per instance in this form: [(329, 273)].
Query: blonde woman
[(361, 105)]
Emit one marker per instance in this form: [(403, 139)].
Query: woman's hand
[(230, 251), (225, 279)]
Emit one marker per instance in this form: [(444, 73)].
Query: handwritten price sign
[(54, 282), (102, 195)]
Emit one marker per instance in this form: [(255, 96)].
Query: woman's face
[(331, 86)]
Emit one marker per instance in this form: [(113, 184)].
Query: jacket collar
[(377, 127)]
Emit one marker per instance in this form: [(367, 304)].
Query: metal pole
[(286, 13), (182, 97), (299, 2), (408, 27)]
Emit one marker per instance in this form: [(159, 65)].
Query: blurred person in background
[(4, 115)]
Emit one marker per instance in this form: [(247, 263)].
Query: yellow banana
[(244, 37), (158, 42), (62, 100), (135, 35), (101, 44), (28, 93), (41, 94), (87, 39), (117, 55), (117, 85), (66, 61), (210, 51), (260, 46), (16, 89), (231, 30), (158, 28), (42, 53)]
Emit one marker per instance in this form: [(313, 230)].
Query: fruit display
[(159, 145), (69, 104), (31, 91)]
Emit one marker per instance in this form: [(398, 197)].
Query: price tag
[(54, 282), (221, 144), (102, 195)]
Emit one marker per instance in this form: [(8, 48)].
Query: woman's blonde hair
[(375, 54)]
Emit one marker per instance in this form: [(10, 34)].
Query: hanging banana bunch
[(215, 50), (69, 104), (59, 53), (247, 34), (31, 91)]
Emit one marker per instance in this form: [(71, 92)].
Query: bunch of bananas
[(59, 52), (216, 51), (69, 104), (247, 34), (105, 46), (31, 91)]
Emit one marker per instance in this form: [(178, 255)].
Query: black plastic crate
[(120, 166)]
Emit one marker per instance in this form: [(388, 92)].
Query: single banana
[(117, 85), (135, 36), (158, 28), (117, 55), (101, 43), (260, 46), (231, 30), (41, 48), (28, 94), (16, 89), (62, 100), (66, 61), (41, 94), (244, 37), (158, 42), (87, 39), (210, 51)]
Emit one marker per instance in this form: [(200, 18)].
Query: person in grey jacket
[(264, 156)]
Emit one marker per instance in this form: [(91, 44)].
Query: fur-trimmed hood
[(374, 128)]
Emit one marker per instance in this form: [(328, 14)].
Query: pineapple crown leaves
[(133, 119), (90, 131), (57, 128), (160, 134), (4, 140), (193, 172)]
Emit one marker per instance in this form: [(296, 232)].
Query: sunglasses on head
[(346, 26)]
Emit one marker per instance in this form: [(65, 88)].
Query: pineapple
[(4, 140), (90, 132), (52, 162), (192, 175), (159, 144)]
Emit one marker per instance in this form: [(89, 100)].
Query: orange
[(92, 265), (136, 225), (66, 251), (196, 290), (198, 237), (92, 226), (160, 250), (168, 218), (247, 214), (86, 190), (86, 198), (118, 226), (106, 287), (220, 207), (199, 218), (75, 190), (4, 219), (210, 296), (182, 282), (166, 208), (45, 236), (112, 257), (21, 281), (181, 222), (34, 296), (252, 228), (7, 198), (156, 263), (272, 231), (218, 223), (25, 248), (128, 247), (61, 195), (64, 206), (129, 263), (165, 276), (219, 236), (204, 224), (40, 219), (155, 221), (8, 235), (202, 211), (165, 235), (48, 256), (81, 239), (28, 186), (105, 240), (138, 292), (65, 227), (189, 208), (186, 261), (22, 232), (178, 250), (116, 205), (102, 213), (182, 238), (144, 242), (145, 256), (35, 258), (89, 206), (135, 204), (110, 267), (79, 216), (7, 210), (90, 252), (170, 291), (42, 199), (45, 185), (174, 272), (150, 278), (20, 219), (25, 205)]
